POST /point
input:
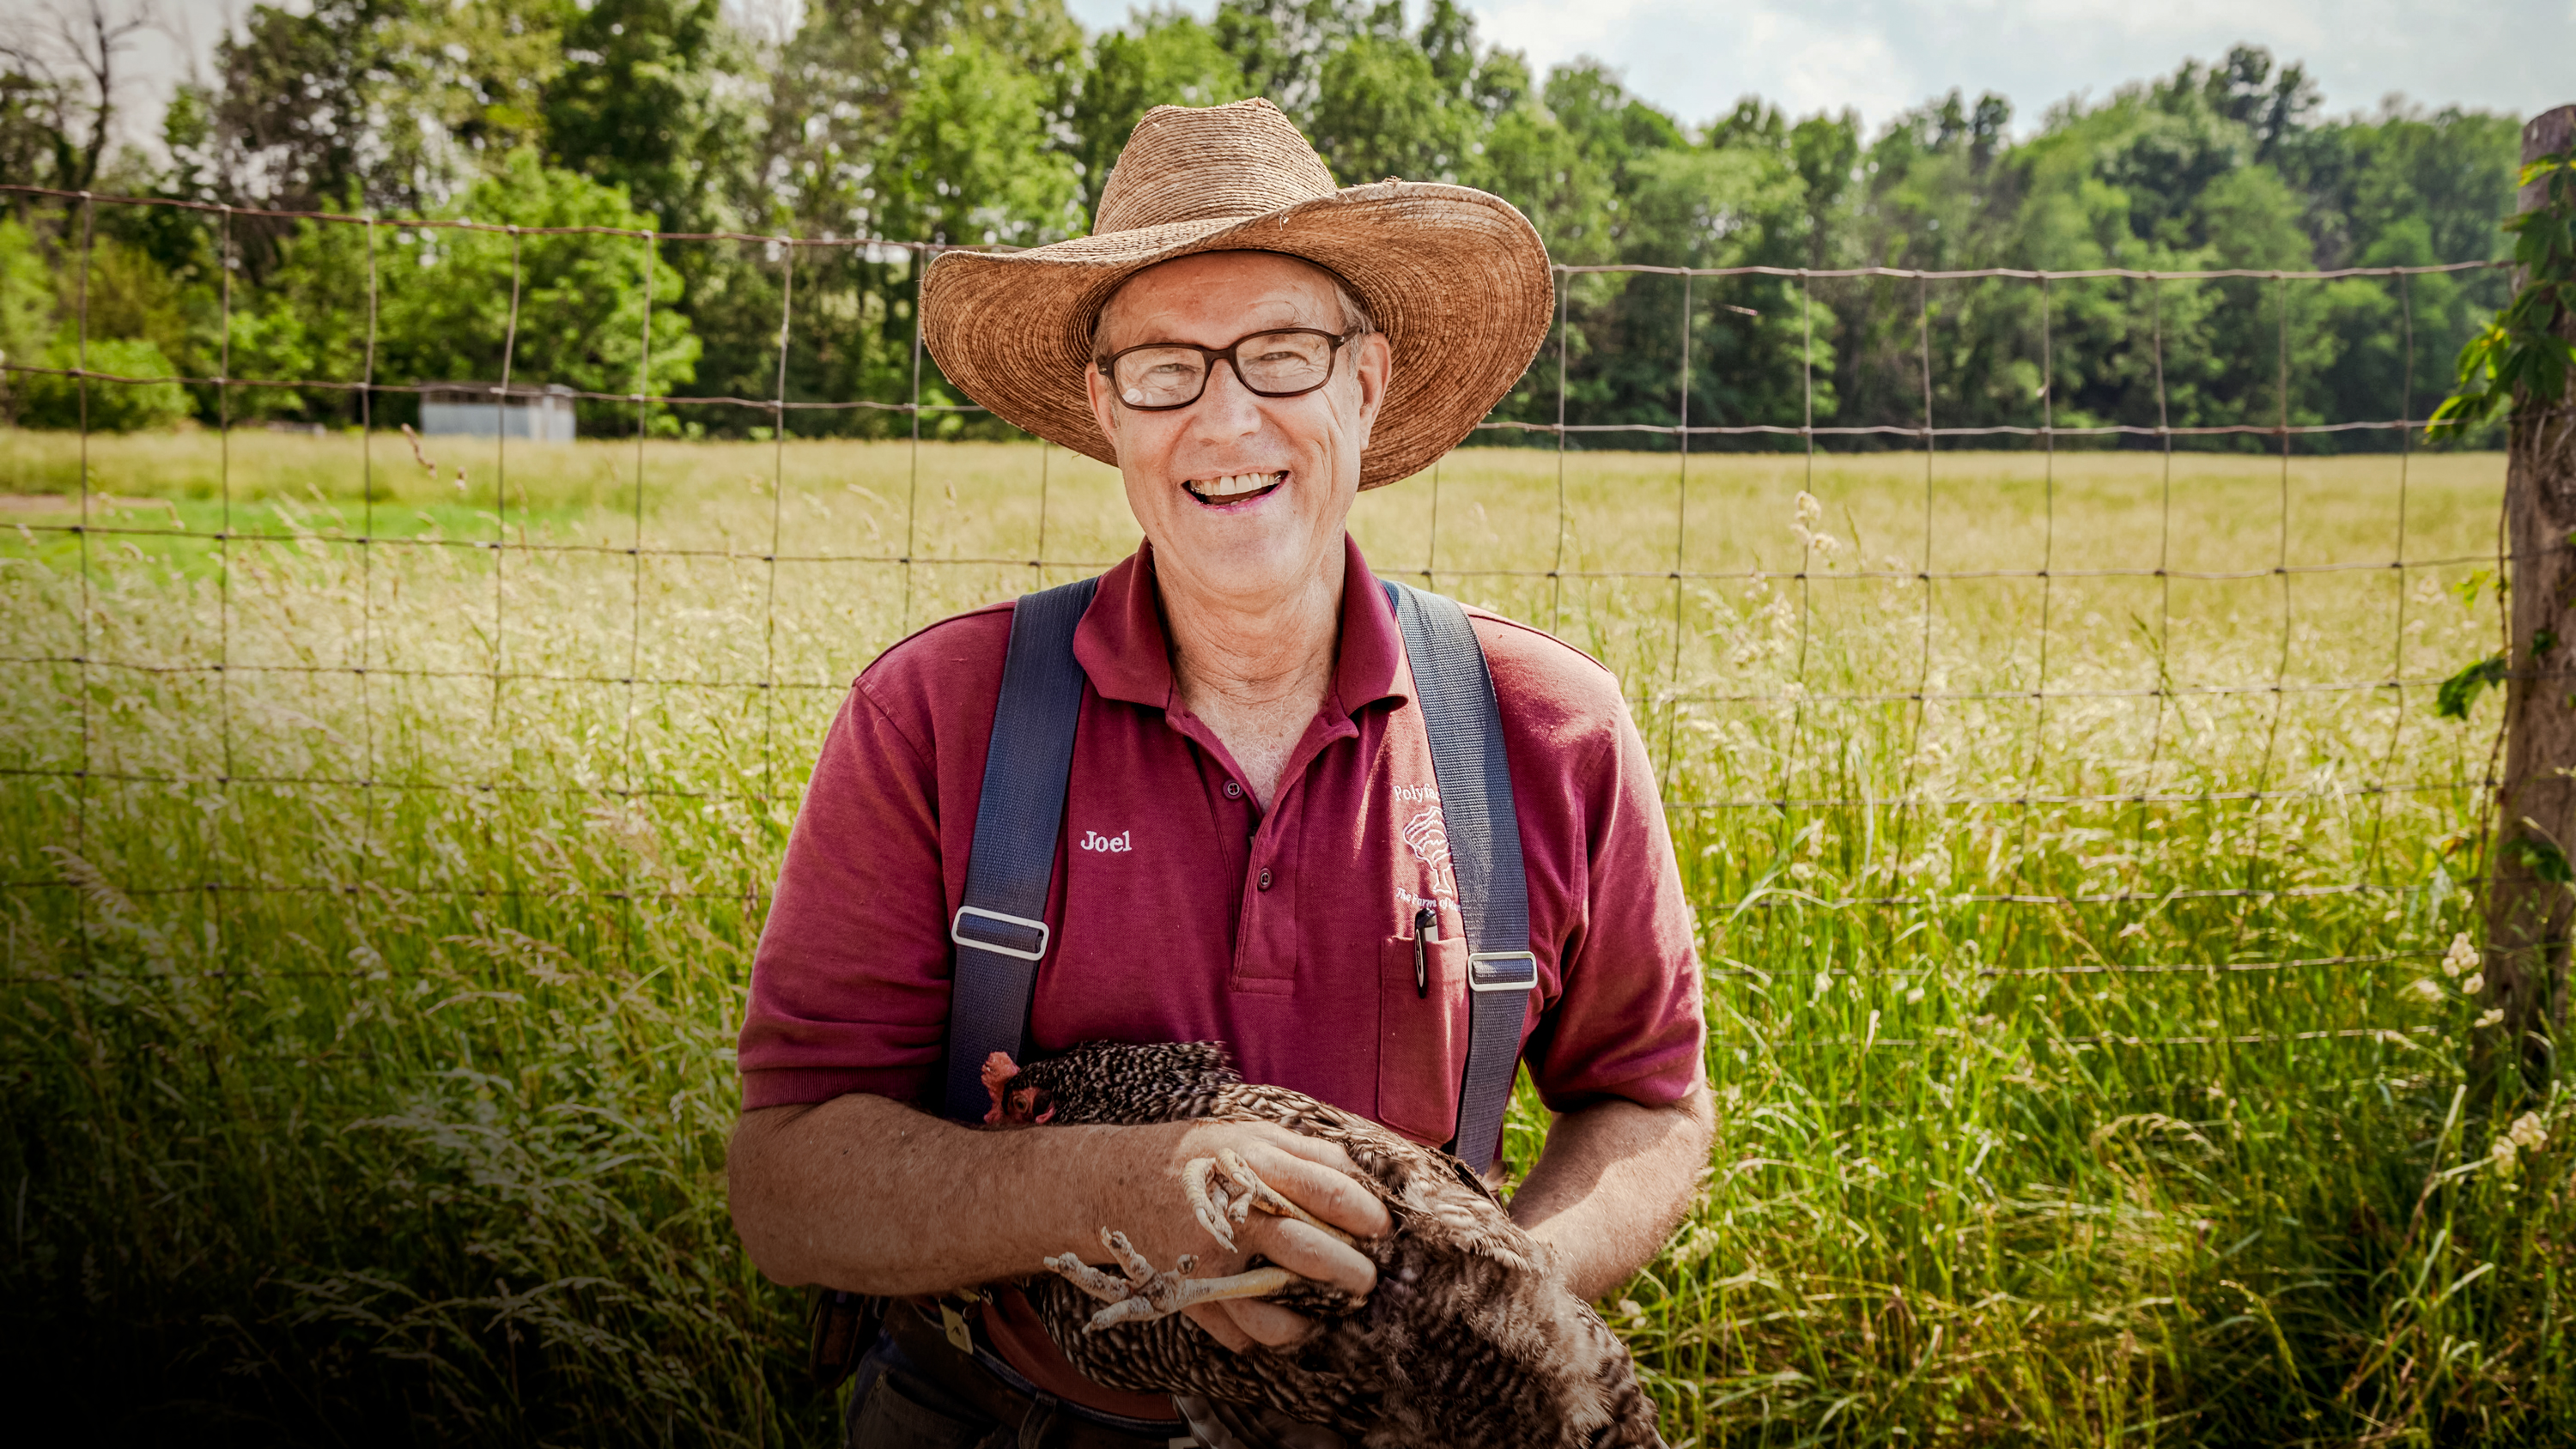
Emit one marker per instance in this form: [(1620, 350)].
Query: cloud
[(1882, 56)]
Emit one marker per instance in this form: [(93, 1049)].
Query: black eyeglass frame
[(1109, 365)]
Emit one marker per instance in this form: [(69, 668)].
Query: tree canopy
[(996, 123)]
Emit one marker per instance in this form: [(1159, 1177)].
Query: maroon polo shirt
[(1181, 911)]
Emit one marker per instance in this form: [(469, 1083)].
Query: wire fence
[(1837, 739)]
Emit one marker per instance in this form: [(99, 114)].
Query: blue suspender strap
[(1000, 930), (1456, 696)]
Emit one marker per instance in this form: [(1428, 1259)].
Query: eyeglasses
[(1161, 376)]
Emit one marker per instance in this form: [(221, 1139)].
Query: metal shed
[(488, 410)]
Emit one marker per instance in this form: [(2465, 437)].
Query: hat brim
[(1455, 277)]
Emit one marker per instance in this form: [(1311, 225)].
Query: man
[(1252, 824)]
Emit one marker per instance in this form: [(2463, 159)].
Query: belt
[(998, 1391)]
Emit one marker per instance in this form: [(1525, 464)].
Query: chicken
[(1467, 1342)]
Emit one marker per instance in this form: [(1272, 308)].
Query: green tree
[(581, 298), (1531, 160), (461, 85), (134, 324), (408, 99), (840, 87), (2409, 189), (2272, 107), (125, 293), (292, 104), (1282, 45), (645, 100), (830, 163), (997, 123), (1383, 111), (26, 137), (1608, 130), (26, 306), (51, 400), (971, 160), (444, 300)]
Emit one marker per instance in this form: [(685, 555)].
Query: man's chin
[(1242, 563)]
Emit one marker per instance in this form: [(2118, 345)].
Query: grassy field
[(2075, 845)]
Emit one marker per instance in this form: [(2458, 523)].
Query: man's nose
[(1226, 409)]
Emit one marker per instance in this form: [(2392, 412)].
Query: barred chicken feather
[(1467, 1342)]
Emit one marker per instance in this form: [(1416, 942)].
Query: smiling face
[(1242, 496)]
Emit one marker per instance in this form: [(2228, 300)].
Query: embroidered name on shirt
[(1094, 840)]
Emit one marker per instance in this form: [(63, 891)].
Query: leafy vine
[(2523, 357)]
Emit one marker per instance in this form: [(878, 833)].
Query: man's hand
[(1314, 1174), (867, 1195)]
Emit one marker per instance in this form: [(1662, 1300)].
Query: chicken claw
[(1253, 1192), (1208, 1202), (1088, 1278)]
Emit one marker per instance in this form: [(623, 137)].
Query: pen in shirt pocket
[(1426, 927)]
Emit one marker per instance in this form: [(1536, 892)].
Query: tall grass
[(2087, 1062)]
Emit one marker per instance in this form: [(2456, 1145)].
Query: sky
[(1882, 56), (1878, 57)]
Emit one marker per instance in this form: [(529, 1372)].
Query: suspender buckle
[(999, 944), (1502, 971)]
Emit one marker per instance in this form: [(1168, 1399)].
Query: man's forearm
[(1612, 1181), (865, 1194)]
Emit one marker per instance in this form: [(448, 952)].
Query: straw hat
[(1456, 279)]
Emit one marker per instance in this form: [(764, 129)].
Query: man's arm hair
[(1613, 1180), (864, 1194)]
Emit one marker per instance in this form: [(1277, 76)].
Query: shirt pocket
[(1422, 1038)]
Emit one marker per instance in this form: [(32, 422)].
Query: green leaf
[(2542, 859), (2461, 690), (2555, 161)]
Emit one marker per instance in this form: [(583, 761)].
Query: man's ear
[(1104, 408), (1372, 367)]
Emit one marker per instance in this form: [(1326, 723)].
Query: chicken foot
[(1221, 1213), (1146, 1294)]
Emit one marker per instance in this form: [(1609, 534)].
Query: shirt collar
[(1121, 644)]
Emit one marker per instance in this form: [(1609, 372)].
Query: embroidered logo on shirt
[(1429, 839), (1094, 840)]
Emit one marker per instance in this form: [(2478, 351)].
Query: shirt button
[(1265, 880), (1233, 791)]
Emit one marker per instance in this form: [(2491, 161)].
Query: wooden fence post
[(2528, 899)]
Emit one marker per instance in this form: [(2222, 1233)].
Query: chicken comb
[(999, 1069)]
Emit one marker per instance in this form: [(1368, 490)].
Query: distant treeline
[(996, 121)]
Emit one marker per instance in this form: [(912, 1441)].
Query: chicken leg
[(1145, 1294)]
